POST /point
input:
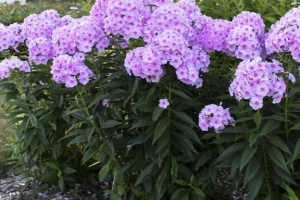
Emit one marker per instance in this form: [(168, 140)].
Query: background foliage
[(65, 134)]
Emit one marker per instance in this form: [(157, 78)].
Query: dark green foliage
[(148, 152)]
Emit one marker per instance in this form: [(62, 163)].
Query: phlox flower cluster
[(168, 16), (243, 43), (41, 25), (80, 35), (255, 79), (163, 103), (197, 35), (126, 18), (256, 22), (214, 116), (251, 19), (6, 37), (70, 70), (18, 33), (40, 50), (6, 66), (190, 8), (284, 35), (169, 46), (214, 34), (98, 12)]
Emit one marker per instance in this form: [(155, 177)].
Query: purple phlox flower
[(163, 103), (6, 66), (256, 79), (105, 102), (214, 116)]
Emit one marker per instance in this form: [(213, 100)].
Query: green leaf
[(184, 117), (33, 120), (147, 172), (104, 171), (235, 129), (276, 156), (174, 169), (98, 97), (199, 191), (243, 119), (79, 139), (253, 138), (283, 174), (181, 94), (110, 123), (268, 127), (61, 183), (235, 163), (271, 19), (150, 92), (178, 194), (296, 127), (252, 168), (257, 118), (156, 113), (247, 155), (292, 194), (255, 184), (160, 128), (160, 180), (188, 131), (52, 166), (296, 152), (224, 139), (207, 155), (133, 83), (145, 121), (278, 118), (231, 150), (278, 142), (181, 182), (68, 170)]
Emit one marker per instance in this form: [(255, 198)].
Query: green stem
[(266, 168)]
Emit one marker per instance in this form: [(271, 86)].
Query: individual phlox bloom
[(18, 33), (284, 35), (163, 103), (84, 35), (169, 16), (7, 38), (214, 34), (214, 116), (70, 70), (6, 66), (40, 50), (243, 43), (105, 102), (126, 18), (98, 12), (255, 79)]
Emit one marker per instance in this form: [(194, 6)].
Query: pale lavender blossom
[(163, 103)]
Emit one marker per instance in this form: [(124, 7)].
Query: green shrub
[(149, 152)]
